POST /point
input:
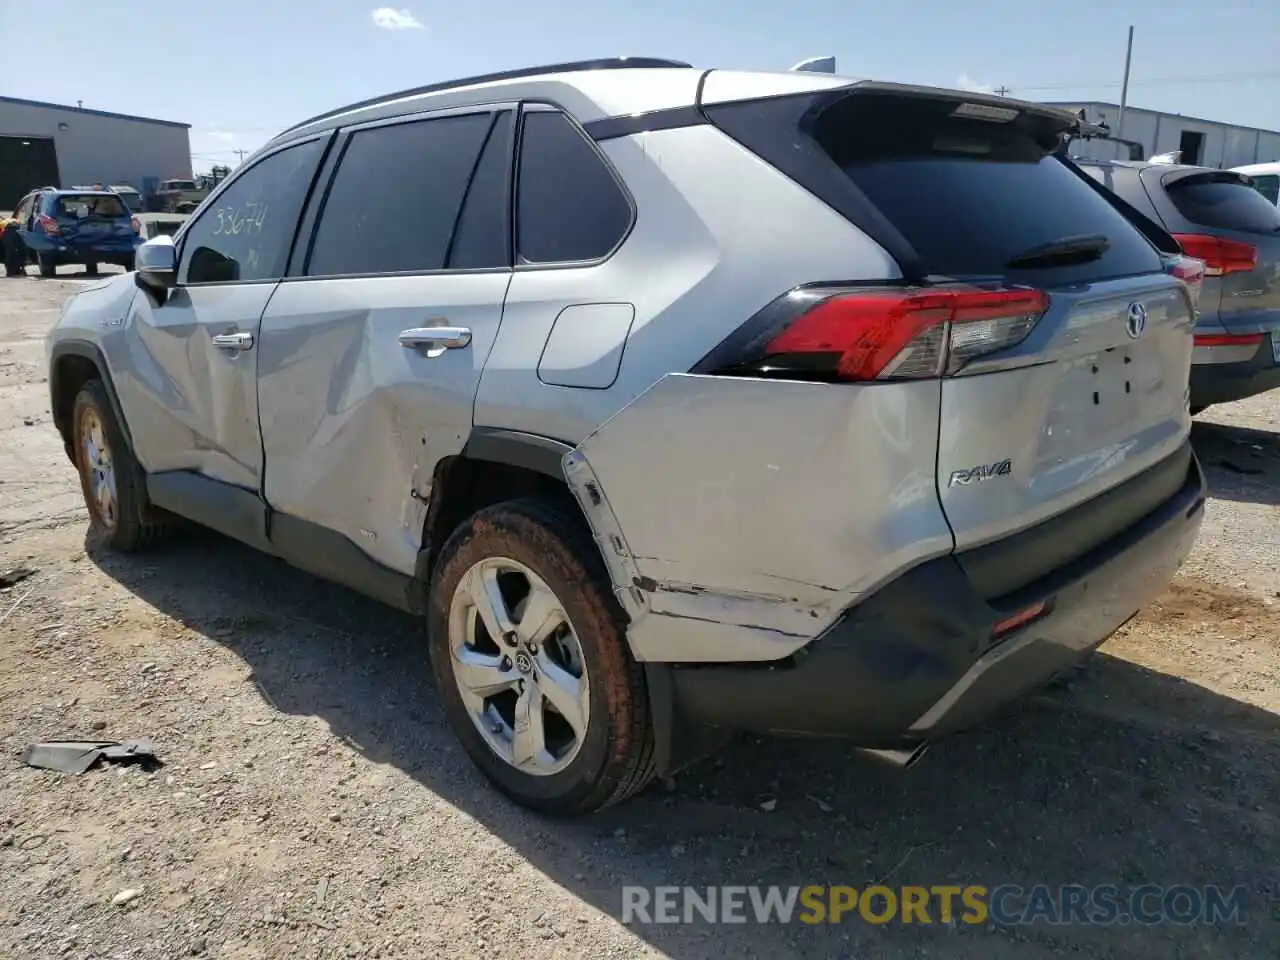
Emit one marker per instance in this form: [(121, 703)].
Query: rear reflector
[(1220, 256), (1019, 619), (899, 335), (1228, 340)]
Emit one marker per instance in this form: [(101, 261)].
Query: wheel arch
[(494, 465), (72, 363)]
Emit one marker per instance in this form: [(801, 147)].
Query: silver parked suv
[(678, 402)]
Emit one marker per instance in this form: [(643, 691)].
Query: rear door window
[(970, 194), (570, 206), (1224, 201), (395, 200)]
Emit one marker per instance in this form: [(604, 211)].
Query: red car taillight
[(1220, 256), (867, 335), (1190, 271), (49, 225)]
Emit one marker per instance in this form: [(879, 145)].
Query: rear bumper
[(917, 660), (1215, 381)]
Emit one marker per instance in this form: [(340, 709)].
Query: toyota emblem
[(1136, 323)]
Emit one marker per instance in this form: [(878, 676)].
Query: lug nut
[(533, 649), (510, 638), (506, 663)]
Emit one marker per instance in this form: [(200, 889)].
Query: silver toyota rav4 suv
[(677, 401)]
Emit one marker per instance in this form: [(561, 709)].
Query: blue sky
[(240, 70)]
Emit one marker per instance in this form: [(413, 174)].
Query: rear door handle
[(241, 340), (435, 340)]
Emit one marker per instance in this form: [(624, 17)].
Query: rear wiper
[(1076, 249)]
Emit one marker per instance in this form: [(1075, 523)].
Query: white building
[(1202, 142), (46, 144)]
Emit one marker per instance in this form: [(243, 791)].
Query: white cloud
[(226, 136), (966, 82), (388, 18)]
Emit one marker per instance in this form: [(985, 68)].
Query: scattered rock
[(126, 896), (769, 805), (99, 725)]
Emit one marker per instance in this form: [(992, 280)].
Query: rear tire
[(111, 479), (613, 757), (48, 266)]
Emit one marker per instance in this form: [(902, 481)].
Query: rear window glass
[(969, 195), (71, 206), (1225, 201)]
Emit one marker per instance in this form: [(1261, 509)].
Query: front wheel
[(111, 479), (530, 653), (48, 266)]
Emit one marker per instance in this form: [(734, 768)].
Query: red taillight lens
[(1220, 256), (48, 224), (1190, 271), (1228, 339), (888, 335)]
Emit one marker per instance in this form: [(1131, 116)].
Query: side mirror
[(157, 263)]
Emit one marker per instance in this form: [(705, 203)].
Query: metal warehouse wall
[(99, 148), (1224, 145)]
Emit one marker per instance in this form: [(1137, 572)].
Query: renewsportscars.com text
[(1007, 904)]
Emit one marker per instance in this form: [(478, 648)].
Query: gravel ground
[(312, 802)]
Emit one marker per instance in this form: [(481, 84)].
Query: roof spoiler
[(815, 65), (1087, 130)]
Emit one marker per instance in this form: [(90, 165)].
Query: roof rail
[(574, 66)]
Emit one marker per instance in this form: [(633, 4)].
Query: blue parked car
[(53, 228)]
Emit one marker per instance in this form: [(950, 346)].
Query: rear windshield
[(1223, 200), (82, 206), (970, 194)]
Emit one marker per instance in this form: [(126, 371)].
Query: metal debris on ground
[(78, 756), (11, 578)]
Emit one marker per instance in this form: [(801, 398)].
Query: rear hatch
[(93, 219), (1218, 217), (1070, 377)]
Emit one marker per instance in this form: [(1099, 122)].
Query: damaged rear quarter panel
[(739, 517)]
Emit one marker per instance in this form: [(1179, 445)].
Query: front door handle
[(435, 340), (233, 341)]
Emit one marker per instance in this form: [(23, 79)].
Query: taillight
[(868, 335), (1220, 256), (137, 225), (1228, 339), (48, 224), (1190, 271)]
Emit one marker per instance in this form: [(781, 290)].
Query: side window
[(395, 199), (246, 234), (1269, 186), (569, 205), (483, 236)]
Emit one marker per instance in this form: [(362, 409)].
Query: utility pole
[(1124, 87), (240, 154), (1003, 91)]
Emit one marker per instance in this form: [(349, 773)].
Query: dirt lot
[(313, 803)]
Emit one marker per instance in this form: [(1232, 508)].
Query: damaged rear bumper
[(920, 658)]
